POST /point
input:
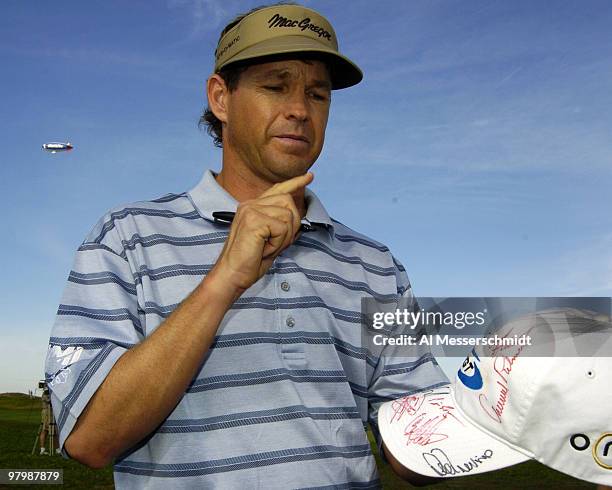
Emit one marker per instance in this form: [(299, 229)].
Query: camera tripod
[(47, 429)]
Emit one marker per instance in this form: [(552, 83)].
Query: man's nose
[(297, 106)]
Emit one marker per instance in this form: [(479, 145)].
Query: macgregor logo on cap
[(279, 21)]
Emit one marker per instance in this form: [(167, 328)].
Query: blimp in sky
[(55, 147)]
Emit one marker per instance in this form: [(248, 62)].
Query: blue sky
[(477, 147)]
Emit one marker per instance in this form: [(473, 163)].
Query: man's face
[(276, 118)]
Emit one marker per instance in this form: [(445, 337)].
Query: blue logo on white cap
[(469, 374)]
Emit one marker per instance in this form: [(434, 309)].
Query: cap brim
[(428, 434), (344, 73)]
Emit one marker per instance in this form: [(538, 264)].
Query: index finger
[(289, 186)]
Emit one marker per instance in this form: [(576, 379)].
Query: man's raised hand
[(262, 228)]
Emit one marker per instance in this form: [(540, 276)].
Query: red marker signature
[(407, 405), (423, 428), (502, 367)]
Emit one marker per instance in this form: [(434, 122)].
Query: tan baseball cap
[(282, 29)]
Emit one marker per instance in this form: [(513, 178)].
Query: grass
[(19, 424), (20, 420)]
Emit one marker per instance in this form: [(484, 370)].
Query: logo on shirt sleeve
[(64, 357)]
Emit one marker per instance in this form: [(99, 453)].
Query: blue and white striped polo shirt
[(282, 396)]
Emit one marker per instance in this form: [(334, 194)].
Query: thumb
[(289, 186)]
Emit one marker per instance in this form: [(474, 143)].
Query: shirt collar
[(208, 196)]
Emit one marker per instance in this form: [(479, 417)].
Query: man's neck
[(243, 185)]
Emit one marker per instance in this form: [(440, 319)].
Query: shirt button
[(285, 286), (290, 322)]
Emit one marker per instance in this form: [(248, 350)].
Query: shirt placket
[(292, 349)]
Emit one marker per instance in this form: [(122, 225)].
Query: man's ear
[(217, 92)]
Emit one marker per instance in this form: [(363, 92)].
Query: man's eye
[(319, 96), (273, 88)]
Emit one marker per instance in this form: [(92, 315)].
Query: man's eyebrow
[(284, 74), (274, 73), (326, 84)]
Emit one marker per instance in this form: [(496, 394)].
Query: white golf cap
[(506, 408)]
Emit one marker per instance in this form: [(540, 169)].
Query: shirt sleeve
[(97, 321), (400, 372)]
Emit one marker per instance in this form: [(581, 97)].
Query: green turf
[(20, 419), (19, 424)]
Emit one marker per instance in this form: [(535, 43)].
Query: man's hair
[(231, 77)]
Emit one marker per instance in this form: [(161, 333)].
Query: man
[(231, 356)]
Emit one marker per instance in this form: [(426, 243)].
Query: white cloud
[(205, 16)]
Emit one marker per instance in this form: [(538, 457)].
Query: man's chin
[(289, 168)]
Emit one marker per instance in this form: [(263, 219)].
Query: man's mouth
[(293, 136), (293, 143)]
